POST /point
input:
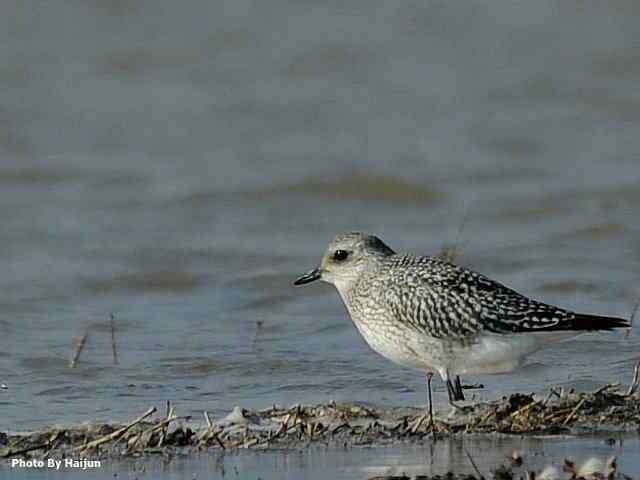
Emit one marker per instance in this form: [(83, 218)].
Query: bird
[(434, 316)]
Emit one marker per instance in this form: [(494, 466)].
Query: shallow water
[(179, 167), (440, 457)]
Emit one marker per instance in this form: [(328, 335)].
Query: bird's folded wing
[(450, 302)]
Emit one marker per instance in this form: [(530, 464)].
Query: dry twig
[(118, 433), (574, 411)]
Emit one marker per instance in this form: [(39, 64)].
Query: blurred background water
[(178, 164)]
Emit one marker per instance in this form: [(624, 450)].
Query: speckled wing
[(450, 302)]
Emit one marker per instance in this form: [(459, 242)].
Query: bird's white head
[(346, 258)]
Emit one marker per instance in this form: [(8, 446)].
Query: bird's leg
[(455, 394), (455, 391), (429, 377), (459, 394), (451, 391), (452, 397)]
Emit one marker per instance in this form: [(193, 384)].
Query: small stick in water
[(113, 339), (81, 343)]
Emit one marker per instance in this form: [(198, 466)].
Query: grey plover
[(431, 315)]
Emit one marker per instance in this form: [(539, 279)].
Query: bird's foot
[(473, 386)]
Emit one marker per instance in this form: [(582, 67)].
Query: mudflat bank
[(606, 410)]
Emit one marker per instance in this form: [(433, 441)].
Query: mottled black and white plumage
[(448, 301), (428, 314)]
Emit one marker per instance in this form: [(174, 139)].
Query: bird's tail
[(596, 322)]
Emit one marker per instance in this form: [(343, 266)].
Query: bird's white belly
[(397, 346), (493, 353), (486, 353)]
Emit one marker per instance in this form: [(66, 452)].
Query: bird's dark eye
[(340, 255)]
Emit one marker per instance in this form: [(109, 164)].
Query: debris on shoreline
[(342, 424), (591, 469)]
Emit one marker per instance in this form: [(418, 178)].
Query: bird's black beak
[(308, 277)]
